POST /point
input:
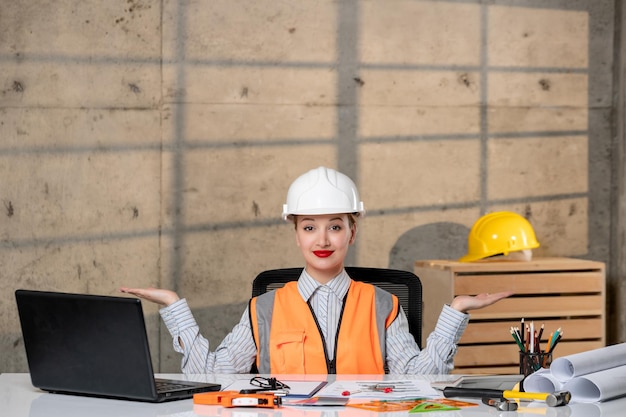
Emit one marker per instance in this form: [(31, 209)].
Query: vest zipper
[(343, 306), (331, 365)]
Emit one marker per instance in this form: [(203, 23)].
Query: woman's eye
[(308, 228), (335, 227)]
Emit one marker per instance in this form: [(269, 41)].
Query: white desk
[(18, 398)]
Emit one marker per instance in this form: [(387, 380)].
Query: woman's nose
[(322, 238)]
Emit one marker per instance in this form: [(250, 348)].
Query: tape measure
[(236, 399)]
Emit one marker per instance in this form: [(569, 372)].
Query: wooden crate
[(558, 292)]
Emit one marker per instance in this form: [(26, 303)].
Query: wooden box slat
[(494, 332), (499, 354), (557, 306), (542, 283), (496, 370)]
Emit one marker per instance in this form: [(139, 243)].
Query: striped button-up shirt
[(237, 352)]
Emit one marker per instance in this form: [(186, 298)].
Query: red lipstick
[(323, 253)]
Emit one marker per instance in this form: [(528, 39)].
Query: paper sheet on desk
[(405, 388), (595, 375)]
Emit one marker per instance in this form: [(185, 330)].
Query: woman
[(325, 322)]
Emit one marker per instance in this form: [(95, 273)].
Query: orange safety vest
[(289, 342)]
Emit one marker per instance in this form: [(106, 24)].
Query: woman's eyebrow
[(311, 219)]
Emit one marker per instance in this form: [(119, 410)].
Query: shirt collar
[(338, 285)]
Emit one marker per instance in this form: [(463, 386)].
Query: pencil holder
[(532, 362)]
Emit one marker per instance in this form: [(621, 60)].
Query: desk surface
[(20, 399)]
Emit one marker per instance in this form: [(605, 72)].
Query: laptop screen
[(90, 344)]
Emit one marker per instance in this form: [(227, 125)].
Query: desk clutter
[(21, 400), (532, 356), (413, 396), (593, 376)]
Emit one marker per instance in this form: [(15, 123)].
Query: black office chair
[(405, 285)]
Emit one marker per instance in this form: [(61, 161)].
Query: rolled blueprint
[(568, 367)]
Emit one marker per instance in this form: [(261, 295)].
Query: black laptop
[(93, 345)]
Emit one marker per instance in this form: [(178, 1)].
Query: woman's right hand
[(156, 295)]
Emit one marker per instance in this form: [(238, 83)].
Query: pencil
[(527, 336), (549, 342), (519, 335), (554, 336), (540, 333), (558, 339), (519, 344)]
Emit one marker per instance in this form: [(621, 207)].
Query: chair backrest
[(405, 285)]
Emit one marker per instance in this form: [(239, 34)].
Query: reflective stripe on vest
[(289, 342)]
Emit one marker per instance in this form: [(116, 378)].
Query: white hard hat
[(322, 191)]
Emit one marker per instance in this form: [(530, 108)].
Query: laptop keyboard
[(164, 386)]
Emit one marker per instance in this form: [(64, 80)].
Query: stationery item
[(318, 401), (236, 399), (529, 340), (531, 356), (516, 337), (478, 381), (381, 387), (430, 406), (531, 362), (412, 405), (93, 345), (554, 339), (540, 333), (402, 388)]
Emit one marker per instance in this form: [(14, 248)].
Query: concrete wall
[(151, 143)]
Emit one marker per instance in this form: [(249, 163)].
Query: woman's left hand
[(465, 303)]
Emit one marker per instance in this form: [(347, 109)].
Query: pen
[(277, 392)]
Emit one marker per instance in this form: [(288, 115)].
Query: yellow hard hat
[(499, 233)]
